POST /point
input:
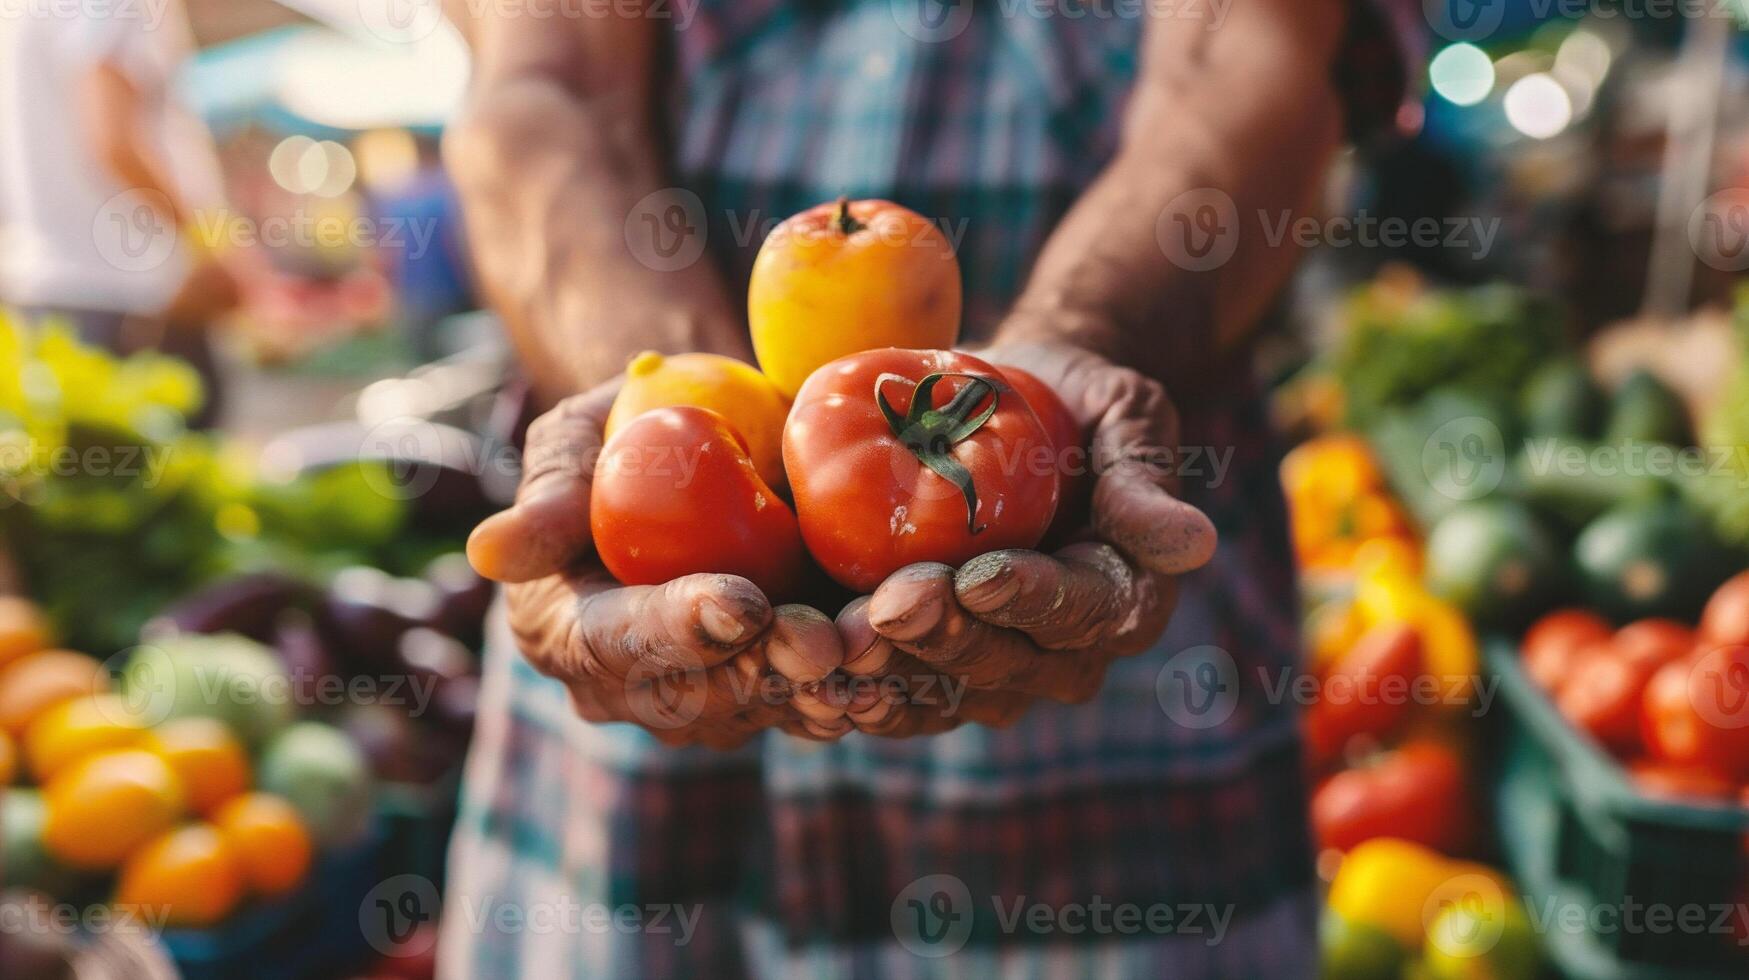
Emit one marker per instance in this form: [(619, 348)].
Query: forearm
[(111, 108), (552, 160), (1244, 114)]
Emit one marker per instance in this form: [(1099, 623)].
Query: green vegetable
[(1561, 400), (1570, 481), (1649, 559), (1401, 343), (1357, 951), (1645, 410), (1494, 560)]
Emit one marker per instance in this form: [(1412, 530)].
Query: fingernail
[(986, 581), (904, 622), (719, 623)]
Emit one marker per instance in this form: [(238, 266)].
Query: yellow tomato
[(190, 876), (1448, 648), (842, 278), (39, 681), (1386, 883), (206, 756), (74, 729), (270, 840), (736, 391), (103, 808)]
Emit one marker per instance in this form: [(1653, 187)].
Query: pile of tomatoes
[(1669, 699), (861, 443)]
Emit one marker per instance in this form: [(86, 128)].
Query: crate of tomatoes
[(1623, 795)]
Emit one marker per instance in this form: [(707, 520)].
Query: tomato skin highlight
[(675, 493), (868, 505)]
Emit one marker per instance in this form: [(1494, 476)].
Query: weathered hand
[(703, 659), (1009, 627)]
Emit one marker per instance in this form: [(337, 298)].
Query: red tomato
[(1726, 619), (1073, 463), (880, 483), (1366, 691), (1419, 793), (1554, 644), (1666, 781), (1602, 698), (1653, 641), (1697, 712), (675, 493)]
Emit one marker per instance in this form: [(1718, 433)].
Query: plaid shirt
[(1158, 831)]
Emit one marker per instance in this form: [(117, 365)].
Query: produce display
[(290, 658), (1400, 910), (180, 794), (111, 509), (1665, 697), (895, 449)]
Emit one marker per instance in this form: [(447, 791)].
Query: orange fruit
[(8, 760), (23, 629), (206, 756), (102, 808), (74, 729), (270, 840), (847, 277), (42, 680), (733, 389), (189, 876)]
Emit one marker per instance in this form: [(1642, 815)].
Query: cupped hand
[(704, 659), (1010, 627)]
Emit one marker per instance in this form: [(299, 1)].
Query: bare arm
[(1247, 111), (557, 147), (112, 111)]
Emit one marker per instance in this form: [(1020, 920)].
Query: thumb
[(1134, 506), (547, 529)]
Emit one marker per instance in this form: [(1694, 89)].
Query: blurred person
[(1113, 748), (103, 177)]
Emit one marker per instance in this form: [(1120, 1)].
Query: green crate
[(1579, 838)]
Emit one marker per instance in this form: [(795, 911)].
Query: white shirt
[(69, 235)]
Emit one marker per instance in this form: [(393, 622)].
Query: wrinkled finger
[(691, 623), (803, 645), (1134, 448), (1085, 596), (912, 603), (866, 653), (921, 616), (547, 528)]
